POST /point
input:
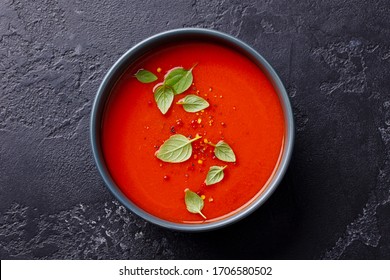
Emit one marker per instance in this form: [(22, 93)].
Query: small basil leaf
[(176, 149), (194, 203), (223, 152), (164, 98), (215, 175), (193, 103), (179, 79), (144, 76)]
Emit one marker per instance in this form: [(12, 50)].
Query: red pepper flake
[(223, 124), (173, 131), (179, 123), (150, 102), (166, 177), (194, 124)]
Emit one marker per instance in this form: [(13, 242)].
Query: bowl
[(179, 35)]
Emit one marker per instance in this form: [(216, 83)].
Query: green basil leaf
[(194, 203), (164, 98), (223, 152), (179, 79), (215, 175), (144, 76), (177, 148), (193, 103)]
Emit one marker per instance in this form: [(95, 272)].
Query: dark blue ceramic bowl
[(155, 42)]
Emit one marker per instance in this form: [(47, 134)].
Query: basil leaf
[(193, 103), (144, 76), (176, 149), (179, 79), (164, 98), (215, 175), (223, 152), (194, 203)]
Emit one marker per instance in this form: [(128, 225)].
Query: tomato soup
[(244, 110)]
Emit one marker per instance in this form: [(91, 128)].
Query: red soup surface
[(244, 111)]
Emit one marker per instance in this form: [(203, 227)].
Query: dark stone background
[(334, 59)]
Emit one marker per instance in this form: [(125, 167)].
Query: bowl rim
[(101, 98)]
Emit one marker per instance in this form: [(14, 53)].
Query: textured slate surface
[(334, 58)]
